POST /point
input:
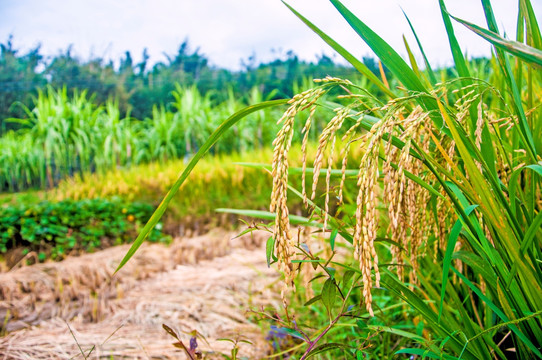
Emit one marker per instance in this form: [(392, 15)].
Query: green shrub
[(55, 229)]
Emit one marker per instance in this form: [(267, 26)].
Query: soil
[(77, 308)]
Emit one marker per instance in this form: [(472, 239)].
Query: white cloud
[(227, 31)]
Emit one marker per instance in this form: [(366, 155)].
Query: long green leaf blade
[(228, 123), (361, 67), (525, 132), (452, 240), (524, 52), (428, 68), (457, 54), (499, 313), (383, 50)]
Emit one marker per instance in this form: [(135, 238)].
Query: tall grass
[(64, 135), (447, 214)]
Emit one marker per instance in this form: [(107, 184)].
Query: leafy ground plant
[(445, 222), (56, 229)]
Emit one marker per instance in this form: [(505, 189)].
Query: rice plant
[(447, 214)]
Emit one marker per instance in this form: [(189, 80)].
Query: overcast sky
[(227, 31)]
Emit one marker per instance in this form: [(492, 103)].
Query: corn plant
[(65, 135)]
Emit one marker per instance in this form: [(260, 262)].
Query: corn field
[(65, 135)]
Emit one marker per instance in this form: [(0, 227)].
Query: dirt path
[(205, 284)]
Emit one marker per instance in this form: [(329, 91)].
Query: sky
[(228, 31)]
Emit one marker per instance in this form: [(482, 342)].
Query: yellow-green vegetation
[(442, 233), (234, 180), (219, 180)]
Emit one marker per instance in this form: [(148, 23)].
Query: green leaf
[(327, 347), (424, 353), (535, 227), (215, 136), (385, 52), (332, 238), (295, 170), (313, 300), (533, 29), (269, 248), (358, 65), (428, 68), (291, 332), (525, 132), (512, 187), (444, 328), (361, 324), (524, 52), (457, 54), (347, 276), (267, 215), (477, 264), (329, 293), (452, 240), (499, 313)]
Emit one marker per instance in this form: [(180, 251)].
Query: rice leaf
[(478, 265), (215, 136), (425, 354), (457, 54), (533, 30), (358, 65), (393, 284), (530, 234), (267, 215), (412, 59), (526, 53), (294, 170), (499, 313), (383, 50), (525, 132), (452, 240), (512, 187), (428, 68)]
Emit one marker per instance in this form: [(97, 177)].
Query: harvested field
[(67, 309)]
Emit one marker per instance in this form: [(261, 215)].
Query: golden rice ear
[(306, 131), (284, 245), (350, 133), (366, 213), (328, 136)]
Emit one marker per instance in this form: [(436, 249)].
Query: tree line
[(138, 86)]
